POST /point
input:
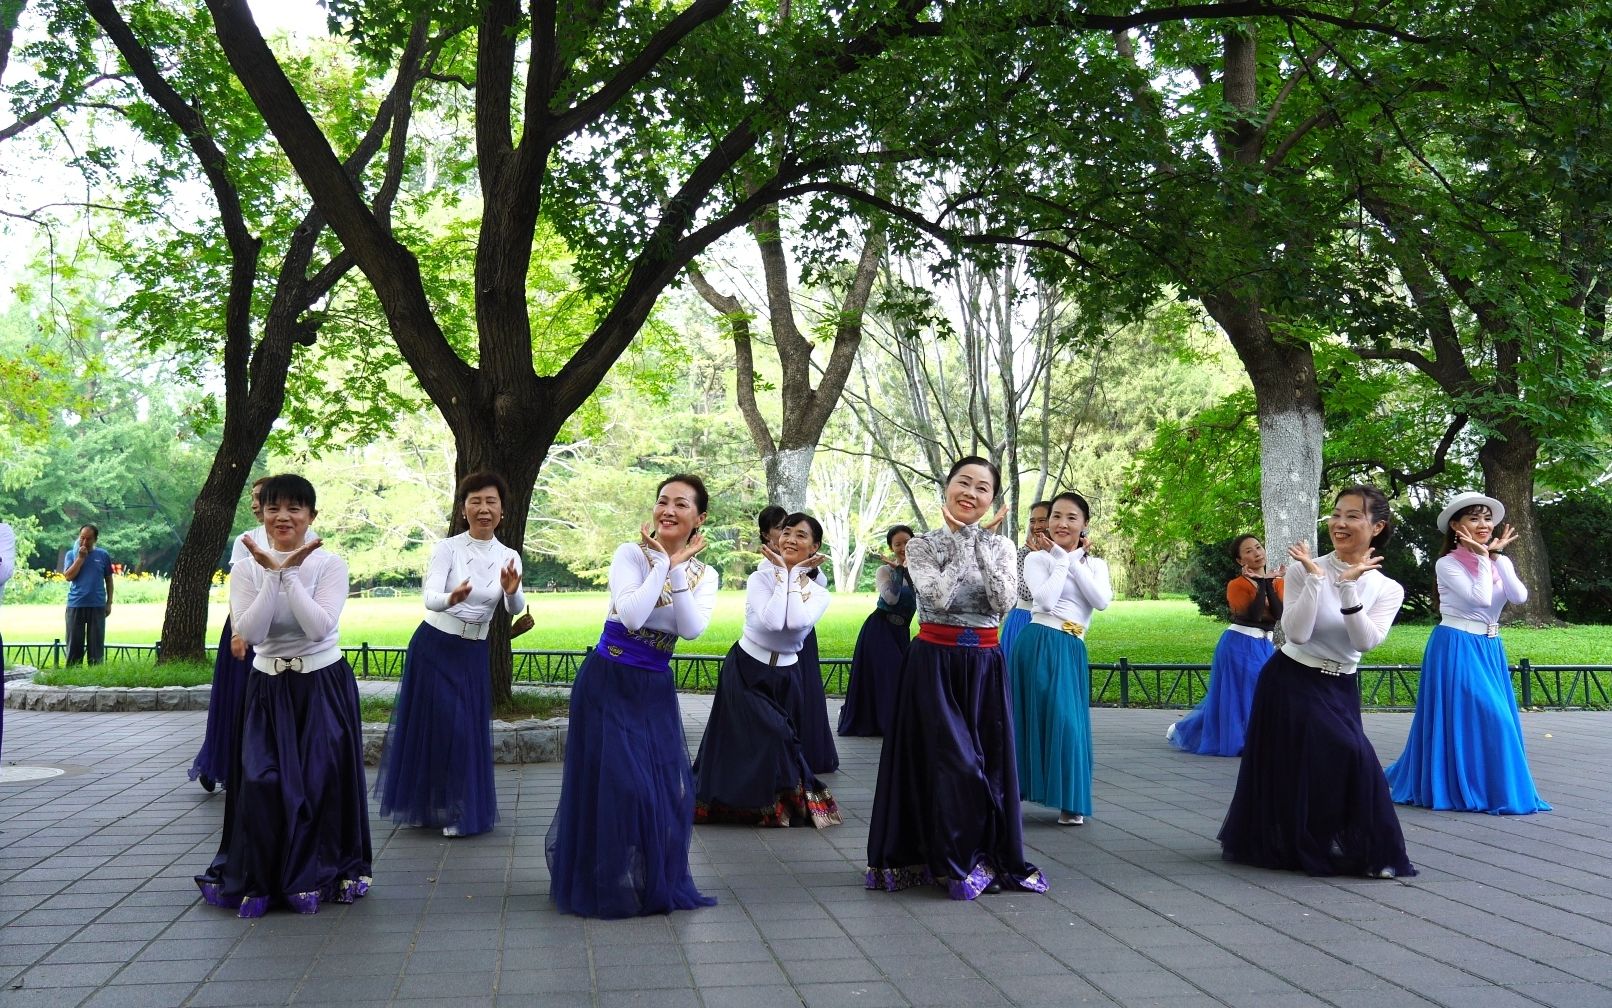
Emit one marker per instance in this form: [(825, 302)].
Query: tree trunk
[(184, 620), (1508, 460), (788, 471), (1291, 423)]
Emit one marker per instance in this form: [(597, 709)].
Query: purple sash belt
[(650, 650)]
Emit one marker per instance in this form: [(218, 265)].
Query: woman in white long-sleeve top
[(618, 845), (1310, 792), (437, 766), (1048, 667), (946, 806), (296, 821), (1465, 750), (751, 769)]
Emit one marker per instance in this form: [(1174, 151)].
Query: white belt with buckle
[(1251, 631), (1472, 626), (456, 626), (301, 663), (1326, 666)]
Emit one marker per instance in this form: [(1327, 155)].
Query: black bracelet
[(1352, 609)]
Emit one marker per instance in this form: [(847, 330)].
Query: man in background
[(8, 566), (89, 597)]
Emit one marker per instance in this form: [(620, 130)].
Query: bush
[(1580, 550)]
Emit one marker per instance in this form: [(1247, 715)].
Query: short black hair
[(702, 499), (769, 518), (801, 517), (967, 460), (1077, 500), (287, 488), (477, 481), (890, 536)]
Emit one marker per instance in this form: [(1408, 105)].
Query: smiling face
[(898, 547), (969, 493), (676, 514), (1066, 523), (1039, 516), (1350, 526), (287, 523), (1476, 521), (483, 510), (1251, 554), (257, 502), (796, 543)]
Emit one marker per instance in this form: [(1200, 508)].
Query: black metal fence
[(1122, 683)]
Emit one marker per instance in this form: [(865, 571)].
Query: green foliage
[(1209, 567), (1580, 553)]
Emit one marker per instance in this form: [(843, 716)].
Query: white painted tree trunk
[(787, 473), (1290, 472)]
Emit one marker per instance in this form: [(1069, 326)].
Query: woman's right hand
[(1301, 553), (647, 539), (460, 593)]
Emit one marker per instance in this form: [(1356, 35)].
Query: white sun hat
[(1497, 510)]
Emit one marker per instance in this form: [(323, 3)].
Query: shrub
[(1575, 530)]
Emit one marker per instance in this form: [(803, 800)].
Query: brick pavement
[(97, 907)]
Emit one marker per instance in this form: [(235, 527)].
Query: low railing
[(1121, 683)]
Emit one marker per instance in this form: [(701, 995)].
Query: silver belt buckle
[(1491, 630), (287, 665), (472, 631), (1330, 667)]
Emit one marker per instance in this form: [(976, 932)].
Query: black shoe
[(207, 783), (993, 888)]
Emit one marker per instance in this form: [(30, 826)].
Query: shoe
[(1169, 733), (993, 888), (1385, 873), (451, 831), (207, 783), (1070, 819)]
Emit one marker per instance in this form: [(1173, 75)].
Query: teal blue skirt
[(1050, 680)]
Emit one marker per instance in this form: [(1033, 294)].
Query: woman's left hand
[(510, 578), (1507, 536), (696, 542), (996, 521), (1370, 562)]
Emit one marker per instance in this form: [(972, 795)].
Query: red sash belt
[(957, 636)]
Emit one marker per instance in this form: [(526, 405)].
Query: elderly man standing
[(89, 597)]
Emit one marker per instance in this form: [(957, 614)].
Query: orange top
[(1247, 605)]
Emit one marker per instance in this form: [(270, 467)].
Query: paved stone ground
[(97, 905)]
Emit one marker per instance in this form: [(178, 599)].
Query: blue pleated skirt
[(1310, 792), (1012, 624), (437, 765), (296, 818), (1465, 750), (222, 741), (1215, 727), (946, 805), (1051, 685), (619, 842), (870, 693)]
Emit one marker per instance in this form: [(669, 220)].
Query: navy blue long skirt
[(437, 766), (870, 692), (1311, 795), (810, 712), (296, 821), (946, 807), (1216, 726), (222, 741), (618, 845), (750, 769)]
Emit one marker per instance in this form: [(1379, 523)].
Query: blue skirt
[(221, 744), (809, 710), (618, 845), (1310, 792), (870, 693), (1465, 750), (437, 766), (750, 769), (296, 821), (1051, 683), (946, 806), (1012, 624), (1215, 727)]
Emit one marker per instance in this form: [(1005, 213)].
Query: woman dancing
[(437, 766), (1019, 616), (946, 807), (1465, 750), (296, 823), (750, 768), (809, 701), (1216, 726), (1310, 793), (881, 646), (1048, 668), (618, 845)]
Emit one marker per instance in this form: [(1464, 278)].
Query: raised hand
[(646, 536), (460, 592), (1507, 536), (1040, 541), (302, 553), (269, 563), (1370, 562), (695, 543), (996, 520), (812, 562), (774, 557), (1300, 552), (510, 578), (952, 521)]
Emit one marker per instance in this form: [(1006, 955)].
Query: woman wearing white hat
[(1465, 750)]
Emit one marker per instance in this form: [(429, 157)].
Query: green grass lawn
[(1142, 631)]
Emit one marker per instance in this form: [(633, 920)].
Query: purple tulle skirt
[(946, 807), (222, 741), (618, 845), (437, 767), (870, 693), (750, 769), (296, 821), (1216, 726), (810, 712), (1311, 795)]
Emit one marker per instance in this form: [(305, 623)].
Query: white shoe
[(450, 831), (1169, 733), (1070, 819)]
